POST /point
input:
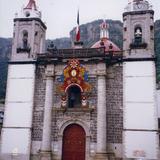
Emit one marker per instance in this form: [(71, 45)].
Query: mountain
[(60, 43), (157, 48), (90, 33), (5, 50)]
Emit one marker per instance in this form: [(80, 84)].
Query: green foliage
[(3, 78), (157, 48), (5, 50)]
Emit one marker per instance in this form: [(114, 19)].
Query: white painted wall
[(139, 89), (139, 116), (21, 71), (140, 111), (140, 144), (16, 132), (158, 102), (18, 115), (21, 90), (16, 140)]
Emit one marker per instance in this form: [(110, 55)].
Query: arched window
[(138, 35), (25, 39), (74, 97), (41, 44)]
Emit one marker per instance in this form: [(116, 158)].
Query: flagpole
[(78, 30), (78, 43)]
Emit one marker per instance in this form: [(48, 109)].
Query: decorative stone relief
[(49, 72), (74, 74), (101, 69)]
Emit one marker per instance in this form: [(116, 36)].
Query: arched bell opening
[(74, 96), (25, 39), (138, 35)]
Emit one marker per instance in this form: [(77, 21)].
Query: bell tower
[(140, 136), (138, 29), (29, 34), (28, 41)]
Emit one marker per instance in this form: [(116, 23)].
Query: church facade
[(80, 103)]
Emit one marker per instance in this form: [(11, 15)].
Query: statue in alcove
[(138, 35), (25, 40)]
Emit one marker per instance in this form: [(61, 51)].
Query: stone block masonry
[(39, 104), (114, 98), (86, 116)]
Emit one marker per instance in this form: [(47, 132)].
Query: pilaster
[(45, 153), (101, 114)]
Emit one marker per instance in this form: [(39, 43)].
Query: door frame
[(86, 129), (74, 129)]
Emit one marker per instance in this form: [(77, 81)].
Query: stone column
[(47, 120), (101, 114)]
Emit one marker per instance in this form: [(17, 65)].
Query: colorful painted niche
[(74, 74)]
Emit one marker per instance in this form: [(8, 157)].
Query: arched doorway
[(74, 142)]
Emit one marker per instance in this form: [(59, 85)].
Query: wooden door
[(74, 143)]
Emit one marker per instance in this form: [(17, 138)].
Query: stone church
[(94, 103)]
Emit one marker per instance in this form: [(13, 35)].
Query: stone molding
[(101, 69), (64, 124), (49, 72)]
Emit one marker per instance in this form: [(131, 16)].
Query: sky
[(60, 15)]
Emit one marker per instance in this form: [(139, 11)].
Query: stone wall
[(88, 116), (39, 99), (114, 104)]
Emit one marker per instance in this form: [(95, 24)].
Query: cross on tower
[(31, 5)]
